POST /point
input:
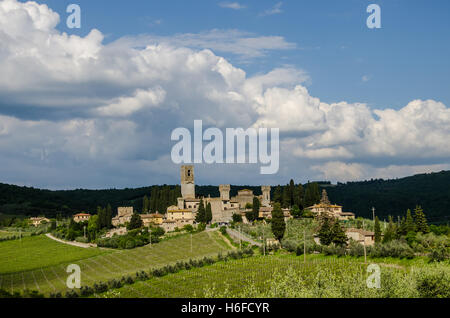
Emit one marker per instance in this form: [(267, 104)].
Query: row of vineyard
[(289, 276)]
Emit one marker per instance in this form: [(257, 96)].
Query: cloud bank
[(75, 112)]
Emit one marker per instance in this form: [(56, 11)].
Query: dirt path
[(243, 237), (77, 244), (227, 241)]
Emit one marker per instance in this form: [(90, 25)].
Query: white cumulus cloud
[(77, 112)]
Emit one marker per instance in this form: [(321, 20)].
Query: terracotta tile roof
[(153, 215), (360, 231)]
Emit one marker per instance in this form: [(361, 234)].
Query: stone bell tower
[(224, 192), (265, 195), (187, 182)]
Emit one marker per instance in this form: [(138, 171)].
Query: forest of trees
[(389, 197)]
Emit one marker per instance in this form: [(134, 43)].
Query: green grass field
[(279, 276), (39, 263), (13, 233)]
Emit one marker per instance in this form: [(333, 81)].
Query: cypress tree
[(295, 211), (145, 205), (291, 193), (377, 230), (135, 222), (101, 212), (286, 200), (390, 232), (409, 222), (325, 233), (338, 234), (277, 195), (401, 230), (108, 216), (299, 197), (278, 224), (315, 192), (208, 213), (420, 220), (255, 207), (312, 195), (201, 213)]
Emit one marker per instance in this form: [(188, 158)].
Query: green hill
[(389, 197), (39, 263), (394, 197)]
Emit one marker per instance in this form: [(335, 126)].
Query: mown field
[(287, 276), (39, 263), (12, 233)]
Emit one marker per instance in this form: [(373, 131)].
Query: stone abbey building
[(222, 207)]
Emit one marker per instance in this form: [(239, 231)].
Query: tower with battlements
[(224, 190), (187, 182), (265, 195)]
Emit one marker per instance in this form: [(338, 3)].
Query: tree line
[(389, 197)]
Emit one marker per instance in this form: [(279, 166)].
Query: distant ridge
[(389, 197), (395, 196)]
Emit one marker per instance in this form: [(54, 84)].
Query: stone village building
[(38, 221), (361, 236), (222, 207), (124, 215), (81, 217), (325, 207)]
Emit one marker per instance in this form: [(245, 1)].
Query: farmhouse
[(266, 212), (362, 236), (181, 217), (81, 217), (152, 219), (326, 208), (38, 221)]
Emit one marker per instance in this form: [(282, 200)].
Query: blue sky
[(406, 59), (95, 107)]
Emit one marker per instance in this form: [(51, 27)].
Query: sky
[(95, 107)]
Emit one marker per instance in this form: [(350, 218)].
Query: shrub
[(71, 294), (130, 244), (142, 275), (86, 291), (439, 254), (334, 250), (355, 248), (159, 272), (434, 282), (100, 287), (392, 249), (81, 239), (115, 283), (32, 294), (223, 230), (290, 244), (129, 280), (248, 251)]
